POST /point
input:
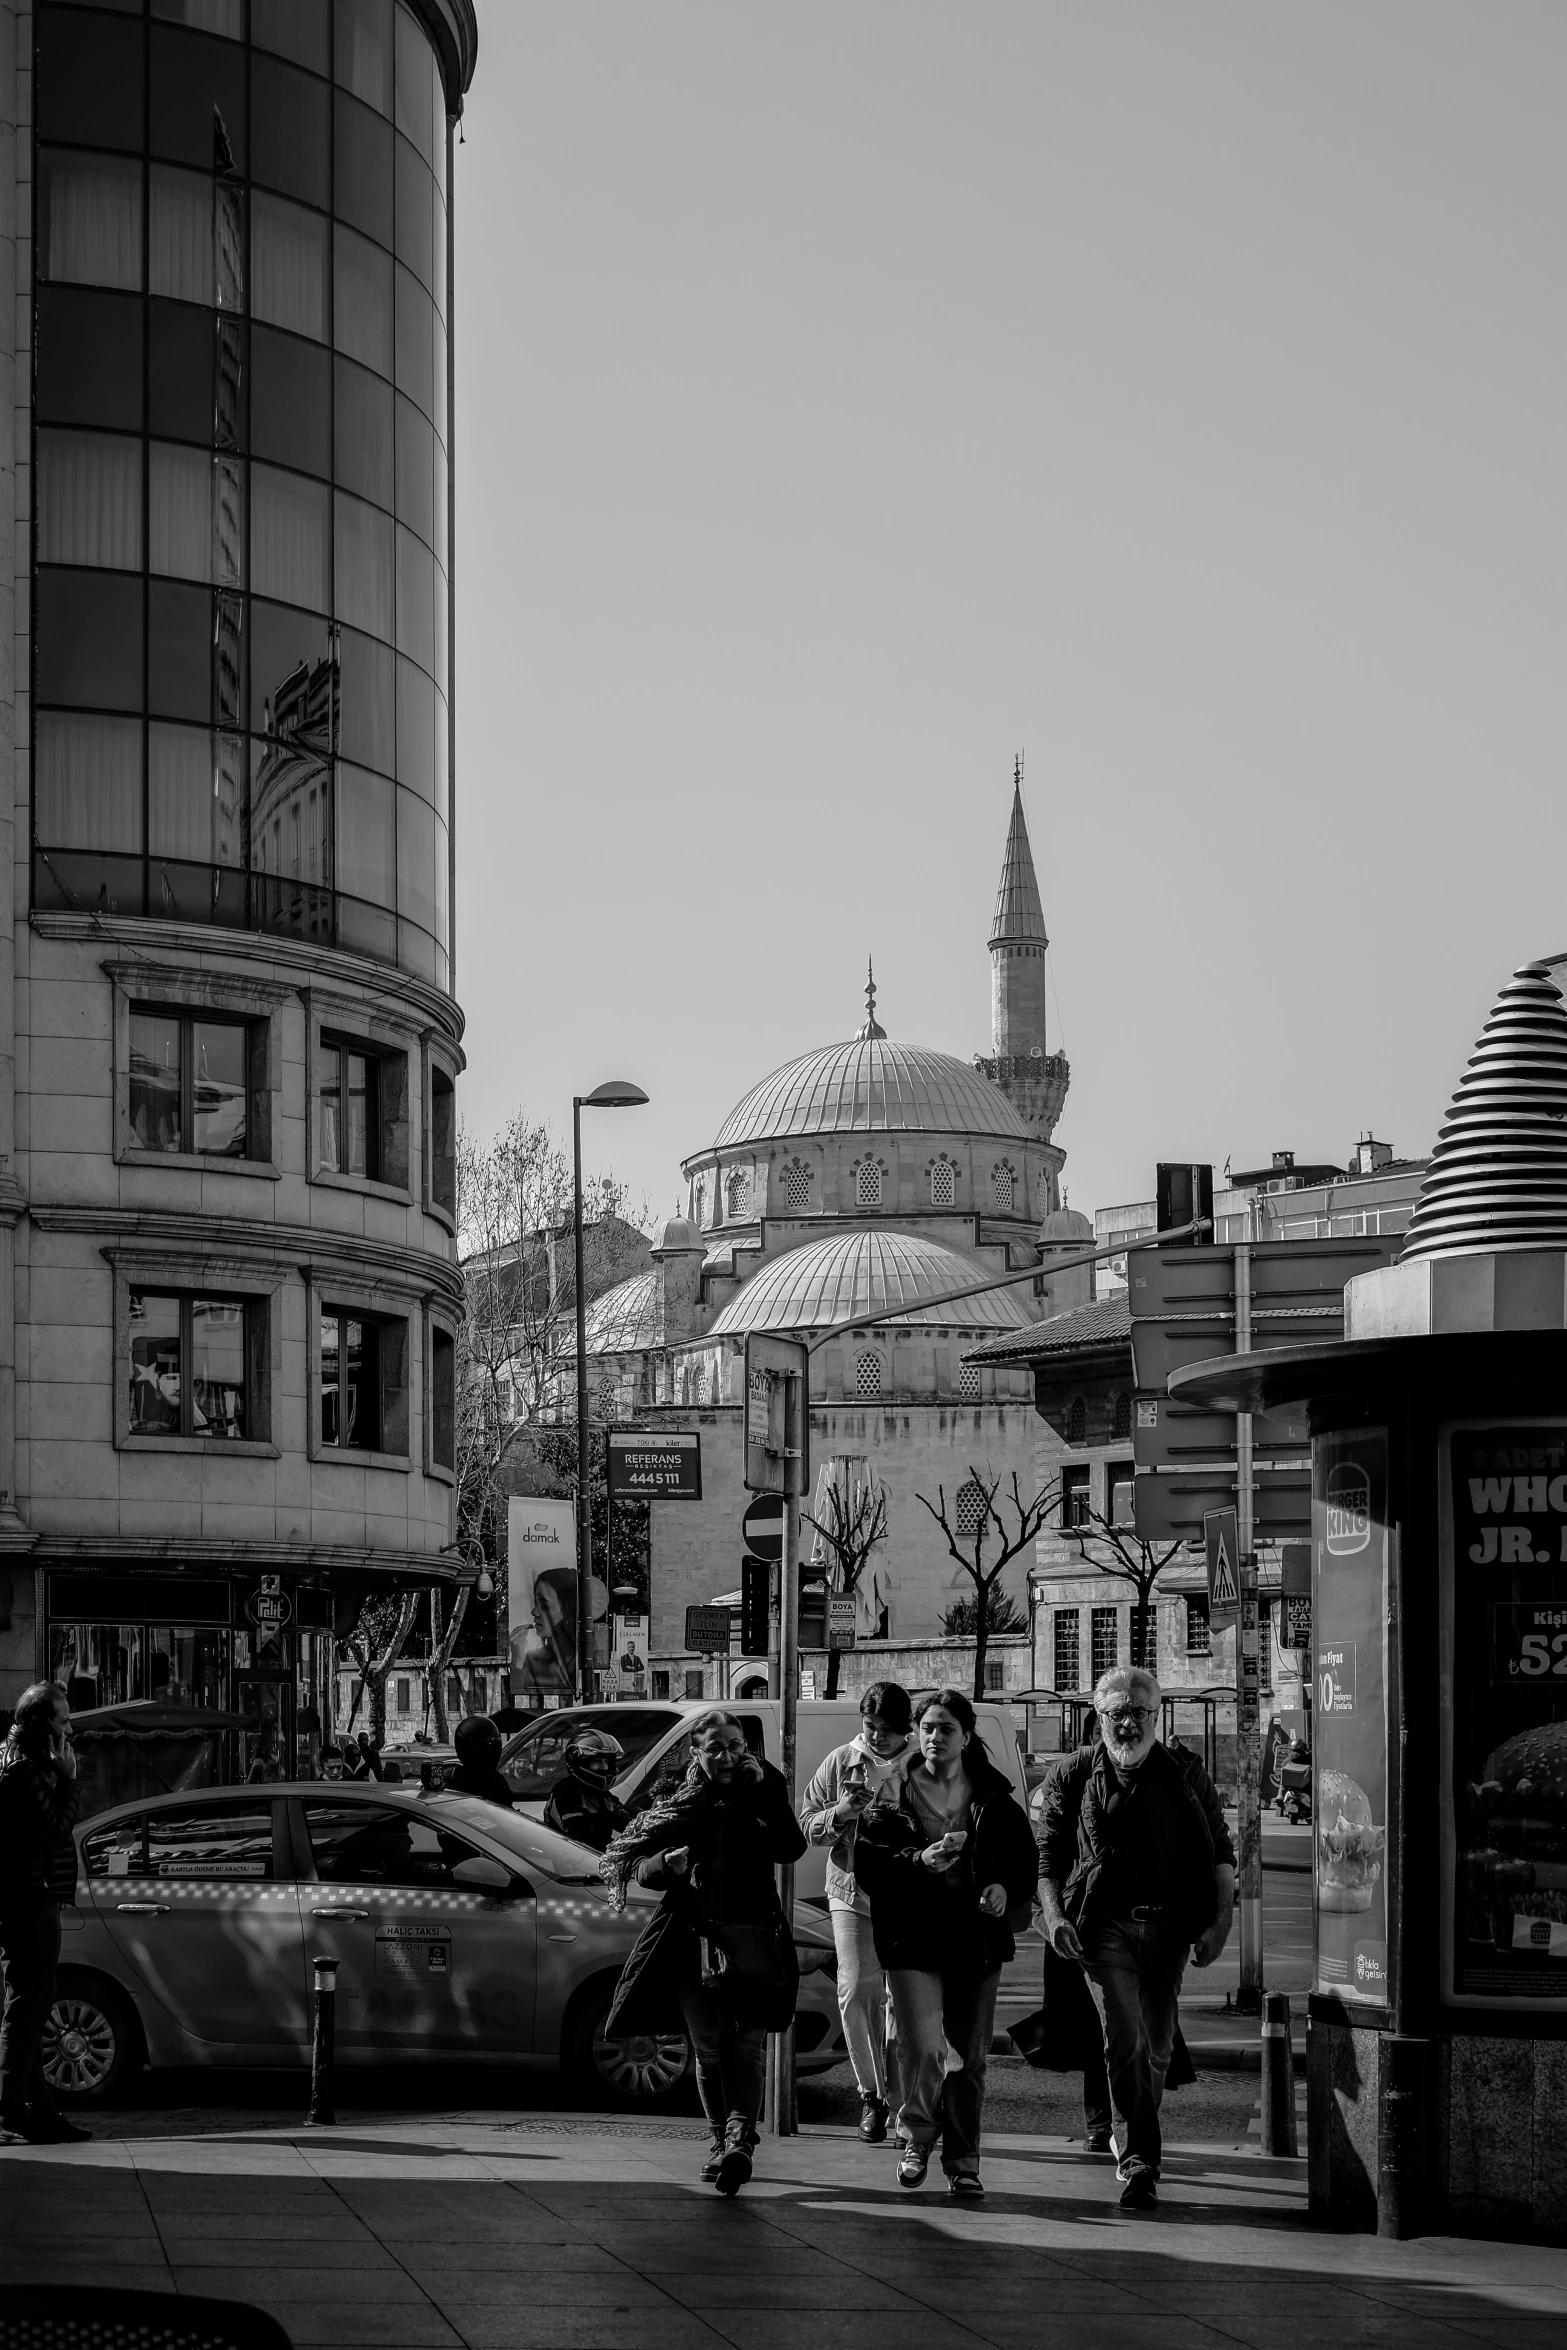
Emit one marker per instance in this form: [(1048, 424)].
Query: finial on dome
[(870, 1029)]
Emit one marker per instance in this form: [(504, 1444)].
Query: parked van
[(657, 1743)]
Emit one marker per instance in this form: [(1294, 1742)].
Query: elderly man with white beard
[(1137, 1869)]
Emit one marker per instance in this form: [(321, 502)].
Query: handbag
[(746, 1953)]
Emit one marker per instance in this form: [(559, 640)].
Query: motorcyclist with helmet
[(580, 1804)]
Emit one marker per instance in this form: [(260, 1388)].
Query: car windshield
[(536, 1757), (515, 1831)]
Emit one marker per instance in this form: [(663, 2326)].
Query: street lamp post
[(614, 1094)]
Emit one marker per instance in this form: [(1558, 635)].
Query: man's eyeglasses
[(1131, 1713)]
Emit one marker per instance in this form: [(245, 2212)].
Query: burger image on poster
[(1520, 1811), (1348, 1842)]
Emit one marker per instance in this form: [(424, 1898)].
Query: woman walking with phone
[(948, 1870), (718, 1953)]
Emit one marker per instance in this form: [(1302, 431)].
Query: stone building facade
[(229, 1041)]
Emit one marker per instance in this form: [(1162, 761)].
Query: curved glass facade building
[(242, 643)]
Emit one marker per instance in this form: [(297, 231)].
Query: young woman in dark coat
[(718, 1951), (950, 1870)]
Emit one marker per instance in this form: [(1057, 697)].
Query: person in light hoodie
[(851, 1779)]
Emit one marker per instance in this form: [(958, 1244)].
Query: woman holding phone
[(718, 1953), (949, 1870)]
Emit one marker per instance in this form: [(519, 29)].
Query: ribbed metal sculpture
[(1498, 1177)]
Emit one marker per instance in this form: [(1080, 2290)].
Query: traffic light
[(1183, 1193), (756, 1578), (813, 1611)]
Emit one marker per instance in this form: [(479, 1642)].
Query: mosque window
[(797, 1186), (1123, 1415), (868, 1184), (1003, 1189), (607, 1398), (969, 1510), (1077, 1421), (701, 1204), (737, 1191), (867, 1375), (968, 1382), (943, 1184)]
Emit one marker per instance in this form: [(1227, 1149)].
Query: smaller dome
[(678, 1235), (1065, 1228), (626, 1318), (851, 1273)]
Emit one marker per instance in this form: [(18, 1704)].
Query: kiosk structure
[(1437, 2024)]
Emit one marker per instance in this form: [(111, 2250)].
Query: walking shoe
[(715, 2155), (1141, 2192), (915, 2163), (1099, 2142), (873, 2121), (734, 2167), (966, 2186)]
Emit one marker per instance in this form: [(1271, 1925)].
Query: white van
[(657, 1742)]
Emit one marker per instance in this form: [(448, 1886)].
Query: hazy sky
[(851, 395)]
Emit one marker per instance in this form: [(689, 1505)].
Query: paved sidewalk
[(521, 2231)]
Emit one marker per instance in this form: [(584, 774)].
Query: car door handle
[(144, 1909), (345, 1914)]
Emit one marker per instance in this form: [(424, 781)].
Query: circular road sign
[(762, 1527)]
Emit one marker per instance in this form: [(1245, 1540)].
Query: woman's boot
[(734, 2171), (715, 2156)]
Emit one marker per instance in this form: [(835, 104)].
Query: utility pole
[(1248, 1753)]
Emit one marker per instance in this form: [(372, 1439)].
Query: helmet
[(594, 1758)]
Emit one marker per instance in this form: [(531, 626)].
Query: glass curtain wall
[(241, 636)]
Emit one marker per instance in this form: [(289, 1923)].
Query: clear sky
[(849, 396)]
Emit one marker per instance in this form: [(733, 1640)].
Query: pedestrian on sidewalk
[(39, 1800), (581, 1805), (867, 1771), (1138, 1870), (718, 1952), (950, 1869)]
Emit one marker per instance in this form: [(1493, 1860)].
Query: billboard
[(641, 1467), (1352, 1852), (1504, 1734), (541, 1577)]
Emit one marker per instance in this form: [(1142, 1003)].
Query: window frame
[(439, 1058), (1057, 1628), (370, 1302), (244, 1281), (438, 1326), (1076, 1483), (1120, 1473), (150, 986), (344, 1024)]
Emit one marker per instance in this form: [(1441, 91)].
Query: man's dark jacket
[(915, 1919), (1075, 1840), (38, 1808), (588, 1815)]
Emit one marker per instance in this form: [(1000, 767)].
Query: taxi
[(463, 1934)]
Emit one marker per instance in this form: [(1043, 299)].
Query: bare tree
[(375, 1644), (1116, 1550), (443, 1642), (982, 1521), (854, 1522)]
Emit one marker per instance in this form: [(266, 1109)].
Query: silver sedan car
[(463, 1933)]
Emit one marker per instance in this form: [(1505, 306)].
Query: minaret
[(1033, 1079)]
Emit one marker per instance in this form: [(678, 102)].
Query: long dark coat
[(914, 1918)]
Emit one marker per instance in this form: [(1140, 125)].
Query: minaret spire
[(869, 1028), (1020, 1061), (1019, 916)]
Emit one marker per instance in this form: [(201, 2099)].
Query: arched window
[(968, 1512), (607, 1399), (867, 1375), (1123, 1414), (797, 1186), (1077, 1421), (943, 1184), (701, 1205), (1003, 1189), (738, 1189), (867, 1184), (968, 1382)]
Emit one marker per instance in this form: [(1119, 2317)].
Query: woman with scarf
[(718, 1950), (950, 1870)]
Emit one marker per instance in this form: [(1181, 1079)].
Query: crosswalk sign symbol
[(1222, 1532)]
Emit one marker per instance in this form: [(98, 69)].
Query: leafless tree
[(375, 1644), (855, 1520), (1116, 1550), (1009, 1523), (443, 1641)]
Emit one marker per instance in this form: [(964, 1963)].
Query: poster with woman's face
[(542, 1584)]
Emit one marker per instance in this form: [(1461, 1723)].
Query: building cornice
[(300, 1558), (453, 28), (121, 1231), (163, 943)]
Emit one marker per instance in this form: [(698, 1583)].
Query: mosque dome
[(627, 1318), (678, 1236), (871, 1086), (852, 1274)]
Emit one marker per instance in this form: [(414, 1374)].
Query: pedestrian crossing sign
[(1221, 1530)]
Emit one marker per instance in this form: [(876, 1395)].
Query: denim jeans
[(29, 1954), (1134, 1969), (934, 2011), (864, 2003), (730, 2062)]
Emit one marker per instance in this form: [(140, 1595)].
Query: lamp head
[(616, 1093)]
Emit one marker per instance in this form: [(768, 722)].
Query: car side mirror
[(480, 1874)]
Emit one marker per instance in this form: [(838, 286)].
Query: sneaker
[(914, 2165), (873, 2121), (1141, 2192), (966, 2186)]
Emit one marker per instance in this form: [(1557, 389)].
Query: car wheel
[(92, 2042), (633, 2070)]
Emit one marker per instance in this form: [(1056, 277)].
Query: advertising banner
[(654, 1468), (1504, 1660), (1350, 1795), (541, 1576)]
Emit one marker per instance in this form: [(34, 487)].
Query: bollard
[(1279, 2131), (322, 2113), (1403, 2137)]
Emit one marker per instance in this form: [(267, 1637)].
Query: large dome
[(871, 1086), (627, 1318), (857, 1273)]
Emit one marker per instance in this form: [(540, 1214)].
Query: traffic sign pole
[(1248, 1747), (786, 2121)]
